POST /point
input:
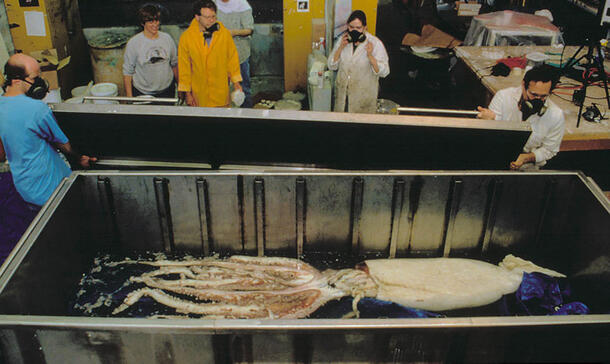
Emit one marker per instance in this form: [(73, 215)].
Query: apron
[(356, 83)]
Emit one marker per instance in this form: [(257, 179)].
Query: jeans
[(15, 215), (244, 69)]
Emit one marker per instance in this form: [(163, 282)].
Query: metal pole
[(132, 99), (437, 111), (150, 163)]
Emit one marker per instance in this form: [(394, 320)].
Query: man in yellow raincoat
[(207, 58)]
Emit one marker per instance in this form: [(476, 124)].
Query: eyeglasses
[(211, 17), (534, 95)]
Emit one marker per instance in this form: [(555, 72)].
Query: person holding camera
[(361, 59), (530, 103)]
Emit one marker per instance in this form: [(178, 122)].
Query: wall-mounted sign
[(303, 6), (34, 23)]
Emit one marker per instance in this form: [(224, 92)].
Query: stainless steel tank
[(216, 137), (560, 220)]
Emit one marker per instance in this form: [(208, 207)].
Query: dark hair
[(209, 4), (13, 72), (542, 73), (148, 13), (357, 14)]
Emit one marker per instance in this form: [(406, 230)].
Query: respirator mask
[(38, 89), (354, 36), (209, 31), (531, 107)]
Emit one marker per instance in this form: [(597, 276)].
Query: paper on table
[(34, 23), (431, 37)]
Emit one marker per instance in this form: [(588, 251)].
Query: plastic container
[(536, 58), (385, 106), (107, 89), (106, 48), (74, 100), (80, 91), (284, 104), (53, 97), (77, 100)]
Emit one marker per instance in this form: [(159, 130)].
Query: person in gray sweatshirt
[(150, 64)]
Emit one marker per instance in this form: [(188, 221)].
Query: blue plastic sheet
[(370, 308), (540, 294), (374, 308)]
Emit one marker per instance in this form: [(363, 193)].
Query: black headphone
[(542, 109), (592, 114), (209, 31), (38, 89), (352, 38)]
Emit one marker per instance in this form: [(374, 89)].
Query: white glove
[(238, 97)]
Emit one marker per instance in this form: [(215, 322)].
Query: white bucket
[(53, 97), (74, 100), (106, 89), (80, 91)]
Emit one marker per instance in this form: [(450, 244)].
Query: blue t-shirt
[(27, 129)]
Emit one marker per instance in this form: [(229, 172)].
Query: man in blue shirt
[(29, 139)]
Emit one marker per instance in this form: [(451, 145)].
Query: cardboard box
[(46, 58), (467, 9), (52, 79), (50, 65)]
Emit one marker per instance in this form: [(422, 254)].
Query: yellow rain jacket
[(204, 69)]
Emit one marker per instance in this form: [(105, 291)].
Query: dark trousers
[(244, 69), (169, 92), (15, 215)]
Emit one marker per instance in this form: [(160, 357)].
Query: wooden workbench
[(589, 135)]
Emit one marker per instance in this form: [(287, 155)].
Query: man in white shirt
[(530, 103)]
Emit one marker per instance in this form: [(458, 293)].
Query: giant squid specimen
[(440, 284), (236, 287), (262, 287)]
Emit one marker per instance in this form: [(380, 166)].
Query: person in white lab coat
[(530, 103), (361, 59)]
